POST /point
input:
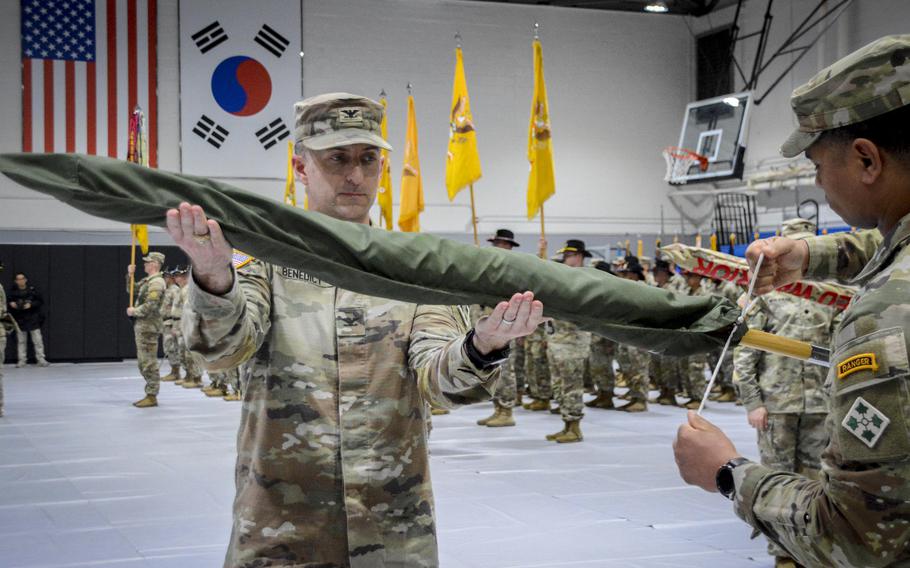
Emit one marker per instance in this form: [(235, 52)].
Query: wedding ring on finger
[(508, 322), (202, 239)]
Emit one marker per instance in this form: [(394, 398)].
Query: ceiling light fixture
[(657, 8)]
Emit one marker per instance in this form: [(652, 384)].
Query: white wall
[(772, 120), (617, 84)]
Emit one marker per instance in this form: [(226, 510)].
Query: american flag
[(86, 64)]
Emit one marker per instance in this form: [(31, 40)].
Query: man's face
[(661, 277), (21, 281), (502, 244), (181, 280), (573, 259), (693, 280), (341, 182), (150, 267), (837, 173)]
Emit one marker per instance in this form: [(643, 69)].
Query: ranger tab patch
[(241, 259), (865, 422), (861, 362)]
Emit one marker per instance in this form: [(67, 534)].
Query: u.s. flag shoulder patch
[(241, 259)]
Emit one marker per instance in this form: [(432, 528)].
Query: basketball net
[(679, 161)]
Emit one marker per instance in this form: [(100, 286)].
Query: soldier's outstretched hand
[(204, 243), (785, 262), (518, 317)]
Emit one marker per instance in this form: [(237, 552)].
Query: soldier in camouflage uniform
[(333, 468), (665, 369), (170, 320), (724, 381), (506, 394), (193, 368), (692, 367), (600, 363), (567, 350), (785, 398), (853, 122), (537, 369), (146, 311), (634, 362)]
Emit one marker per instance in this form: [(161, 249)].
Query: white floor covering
[(88, 480)]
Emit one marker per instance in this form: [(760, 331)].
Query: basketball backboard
[(717, 129)]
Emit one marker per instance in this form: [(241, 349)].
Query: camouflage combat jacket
[(782, 384), (858, 513), (168, 312), (147, 305), (332, 466)]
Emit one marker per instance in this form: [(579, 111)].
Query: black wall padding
[(85, 298)]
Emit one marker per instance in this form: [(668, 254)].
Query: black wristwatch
[(724, 477), (479, 360)]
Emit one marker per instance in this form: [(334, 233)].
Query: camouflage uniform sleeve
[(841, 256), (152, 304), (227, 330), (445, 375), (745, 367)]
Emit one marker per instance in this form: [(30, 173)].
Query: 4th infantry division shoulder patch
[(865, 422)]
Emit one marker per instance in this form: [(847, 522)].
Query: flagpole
[(133, 264), (474, 217), (543, 232)]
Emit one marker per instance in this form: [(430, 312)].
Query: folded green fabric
[(402, 266)]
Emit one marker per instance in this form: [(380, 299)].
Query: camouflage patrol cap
[(798, 228), (154, 257), (865, 84), (338, 119)]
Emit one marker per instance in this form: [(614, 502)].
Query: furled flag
[(411, 184), (239, 79), (86, 64), (385, 182), (462, 159), (137, 152), (290, 187), (541, 182)]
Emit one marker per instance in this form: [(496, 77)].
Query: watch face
[(725, 484)]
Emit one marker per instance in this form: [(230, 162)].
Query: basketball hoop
[(679, 161)]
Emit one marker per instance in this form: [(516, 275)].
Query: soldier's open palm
[(204, 243)]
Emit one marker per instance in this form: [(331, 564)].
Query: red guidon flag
[(719, 266)]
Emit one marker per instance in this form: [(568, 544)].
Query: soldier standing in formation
[(600, 363), (664, 368), (853, 122), (169, 321), (537, 368), (507, 393), (146, 314), (634, 362), (692, 367), (193, 370), (567, 351)]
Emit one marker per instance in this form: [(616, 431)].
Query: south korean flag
[(239, 80)]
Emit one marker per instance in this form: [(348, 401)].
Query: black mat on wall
[(85, 298)]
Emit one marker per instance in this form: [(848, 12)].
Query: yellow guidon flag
[(384, 198), (290, 187), (462, 159), (411, 184), (141, 236), (541, 182)]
